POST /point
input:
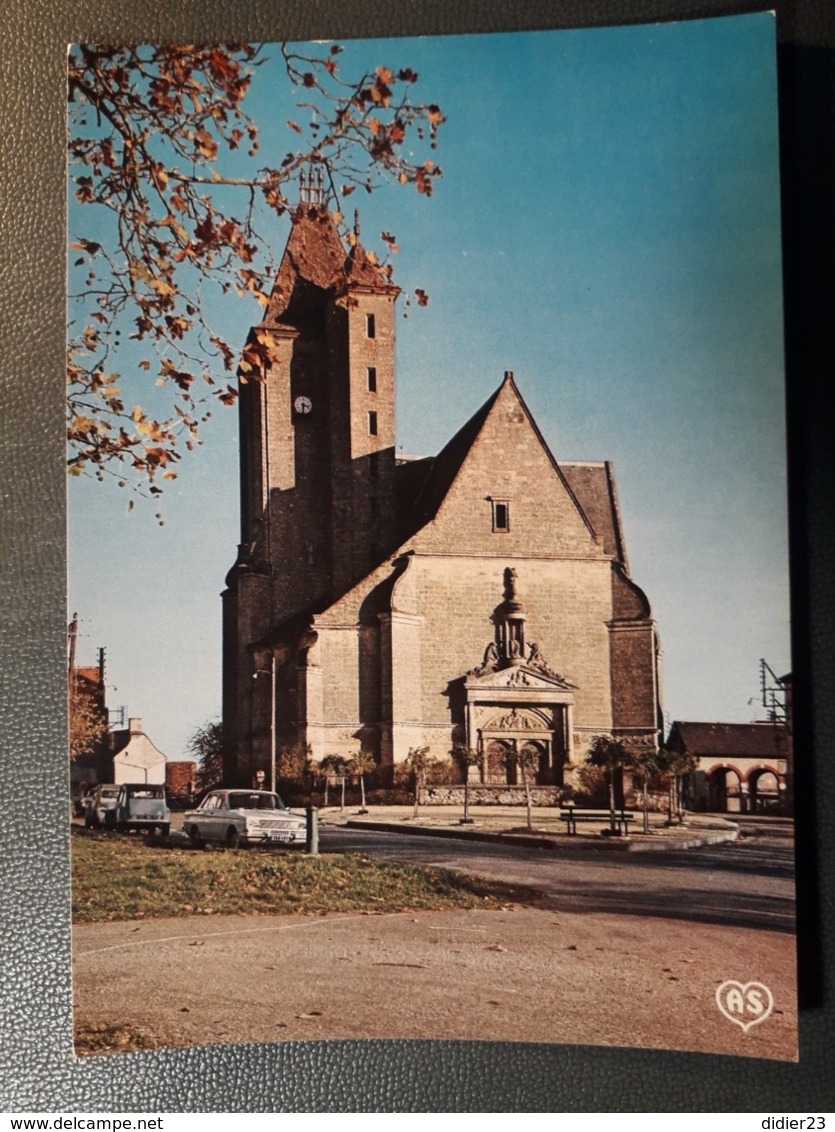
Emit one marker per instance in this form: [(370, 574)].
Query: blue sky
[(607, 227)]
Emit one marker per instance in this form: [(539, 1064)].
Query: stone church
[(479, 597)]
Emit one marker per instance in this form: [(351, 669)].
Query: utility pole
[(72, 637)]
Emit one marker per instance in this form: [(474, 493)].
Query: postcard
[(429, 650)]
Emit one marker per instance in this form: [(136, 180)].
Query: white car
[(243, 817), (142, 805), (99, 806)]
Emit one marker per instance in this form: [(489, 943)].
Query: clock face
[(302, 405)]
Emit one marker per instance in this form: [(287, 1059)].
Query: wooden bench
[(620, 819)]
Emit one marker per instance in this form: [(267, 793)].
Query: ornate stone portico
[(514, 701)]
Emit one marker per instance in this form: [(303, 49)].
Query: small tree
[(88, 721), (650, 764), (292, 763), (312, 770), (361, 764), (467, 757), (677, 765), (419, 761), (614, 756), (592, 786), (334, 766), (206, 748), (526, 759)]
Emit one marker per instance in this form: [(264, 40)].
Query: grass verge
[(121, 878)]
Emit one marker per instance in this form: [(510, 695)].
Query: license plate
[(278, 835)]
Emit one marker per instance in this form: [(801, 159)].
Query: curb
[(619, 844)]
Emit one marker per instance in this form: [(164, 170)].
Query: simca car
[(99, 806), (142, 805), (243, 817)]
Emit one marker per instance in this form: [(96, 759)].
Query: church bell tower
[(316, 412)]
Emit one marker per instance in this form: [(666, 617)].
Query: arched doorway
[(523, 735), (503, 759), (500, 765), (537, 756)]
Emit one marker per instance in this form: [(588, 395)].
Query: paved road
[(629, 951), (747, 884)]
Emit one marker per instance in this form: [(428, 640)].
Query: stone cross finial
[(510, 583)]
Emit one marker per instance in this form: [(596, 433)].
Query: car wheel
[(233, 838), (164, 829), (194, 838)]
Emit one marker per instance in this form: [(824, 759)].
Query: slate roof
[(740, 740), (591, 485), (119, 740)]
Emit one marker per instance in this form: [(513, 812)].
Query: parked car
[(244, 817), (142, 805), (99, 806)]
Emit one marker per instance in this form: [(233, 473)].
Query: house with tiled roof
[(481, 597), (742, 767)]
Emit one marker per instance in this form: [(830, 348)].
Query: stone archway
[(764, 791), (724, 786), (499, 763)]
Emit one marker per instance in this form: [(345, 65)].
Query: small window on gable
[(372, 379), (370, 326), (372, 424), (501, 515)]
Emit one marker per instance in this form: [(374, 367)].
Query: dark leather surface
[(37, 1067)]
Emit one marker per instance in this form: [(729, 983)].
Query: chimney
[(135, 725)]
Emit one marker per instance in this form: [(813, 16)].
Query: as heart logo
[(746, 1004)]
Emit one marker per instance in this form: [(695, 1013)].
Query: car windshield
[(109, 791), (243, 801), (145, 792)]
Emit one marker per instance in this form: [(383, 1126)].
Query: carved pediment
[(520, 676), (516, 719)]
